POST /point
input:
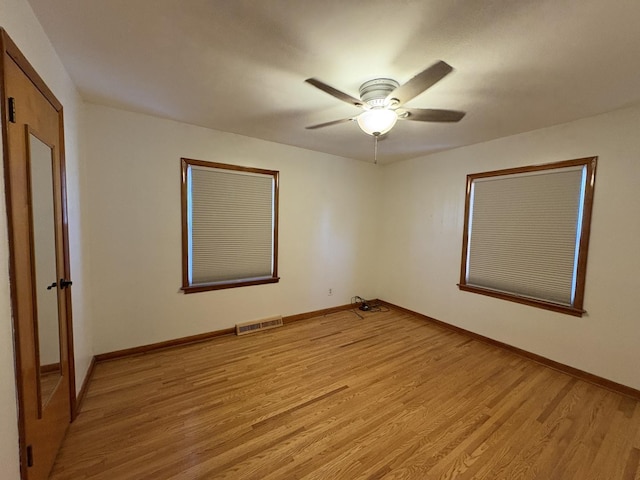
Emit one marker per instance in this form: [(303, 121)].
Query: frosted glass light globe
[(377, 121)]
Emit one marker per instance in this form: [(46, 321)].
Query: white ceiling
[(239, 65)]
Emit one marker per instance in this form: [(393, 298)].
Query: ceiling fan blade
[(334, 92), (328, 124), (418, 84), (432, 115)]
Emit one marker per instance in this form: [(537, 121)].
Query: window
[(526, 234), (229, 226)]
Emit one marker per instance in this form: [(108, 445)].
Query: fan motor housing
[(374, 92)]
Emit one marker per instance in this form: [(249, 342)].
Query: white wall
[(17, 18), (327, 229), (423, 214)]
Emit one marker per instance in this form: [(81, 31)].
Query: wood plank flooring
[(389, 396)]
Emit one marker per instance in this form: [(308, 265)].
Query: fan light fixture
[(383, 99), (377, 121)]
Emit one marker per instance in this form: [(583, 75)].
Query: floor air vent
[(257, 325)]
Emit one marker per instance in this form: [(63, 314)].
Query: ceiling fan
[(382, 99)]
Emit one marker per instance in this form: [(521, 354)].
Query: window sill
[(555, 307), (204, 287)]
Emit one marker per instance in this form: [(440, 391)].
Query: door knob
[(65, 283)]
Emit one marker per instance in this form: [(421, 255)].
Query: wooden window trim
[(186, 286), (577, 308)]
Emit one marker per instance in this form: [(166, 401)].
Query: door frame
[(10, 50)]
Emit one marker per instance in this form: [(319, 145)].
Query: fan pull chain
[(375, 149)]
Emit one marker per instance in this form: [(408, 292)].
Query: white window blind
[(524, 233), (230, 225)]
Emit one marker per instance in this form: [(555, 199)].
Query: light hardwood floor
[(389, 396)]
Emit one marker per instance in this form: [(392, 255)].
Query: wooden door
[(39, 263)]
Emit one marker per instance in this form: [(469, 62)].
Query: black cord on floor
[(366, 305)]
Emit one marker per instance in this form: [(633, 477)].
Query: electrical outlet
[(330, 292)]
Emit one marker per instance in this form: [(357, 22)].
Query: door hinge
[(29, 456), (12, 110)]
